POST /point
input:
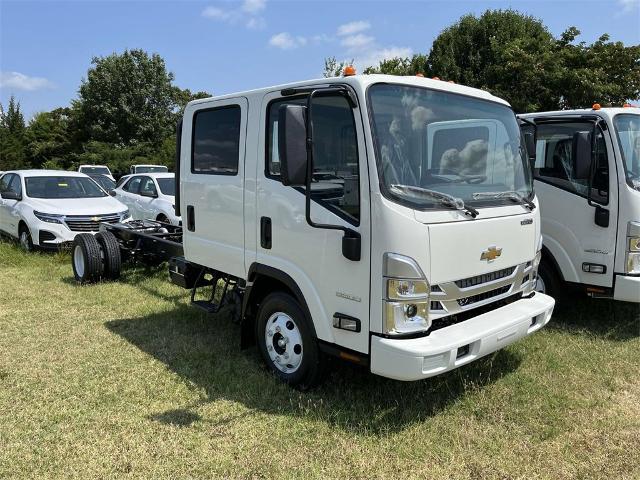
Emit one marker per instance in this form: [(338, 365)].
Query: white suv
[(96, 170), (47, 208), (149, 197)]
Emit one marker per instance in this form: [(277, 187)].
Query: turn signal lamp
[(596, 106), (349, 71), (420, 74)]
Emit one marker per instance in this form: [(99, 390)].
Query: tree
[(12, 136), (334, 68), (128, 98), (49, 140), (401, 66)]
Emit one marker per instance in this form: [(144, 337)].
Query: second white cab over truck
[(390, 221), (586, 166)]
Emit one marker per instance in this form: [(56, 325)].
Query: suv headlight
[(49, 217), (632, 265), (124, 215), (406, 296)]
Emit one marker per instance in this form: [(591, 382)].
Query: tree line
[(128, 105), (125, 113)]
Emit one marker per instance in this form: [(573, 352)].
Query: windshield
[(167, 186), (95, 170), (467, 148), (62, 187), (151, 169), (104, 182), (628, 131)]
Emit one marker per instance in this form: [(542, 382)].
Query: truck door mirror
[(292, 145), (530, 145), (582, 155), (11, 196)]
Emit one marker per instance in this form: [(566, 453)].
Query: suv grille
[(86, 223), (484, 278)]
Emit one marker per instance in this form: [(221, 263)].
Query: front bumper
[(627, 289), (417, 358), (61, 233)]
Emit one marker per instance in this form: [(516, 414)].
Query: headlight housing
[(125, 215), (632, 264), (406, 296), (49, 217)]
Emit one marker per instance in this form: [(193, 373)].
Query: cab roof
[(362, 82), (605, 112)]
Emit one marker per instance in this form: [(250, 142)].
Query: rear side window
[(216, 141)]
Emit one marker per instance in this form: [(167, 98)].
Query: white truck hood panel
[(77, 206), (456, 247)]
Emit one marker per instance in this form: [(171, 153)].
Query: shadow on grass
[(204, 351), (606, 319)]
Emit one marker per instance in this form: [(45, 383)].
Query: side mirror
[(292, 145), (112, 193), (582, 152), (530, 145), (148, 193), (11, 196)]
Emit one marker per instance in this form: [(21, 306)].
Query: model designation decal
[(348, 297), (595, 250), (491, 253), (527, 221)]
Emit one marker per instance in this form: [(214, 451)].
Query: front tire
[(548, 281), (287, 341), (87, 259), (24, 238)]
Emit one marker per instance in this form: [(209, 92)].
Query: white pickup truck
[(390, 221), (587, 176)]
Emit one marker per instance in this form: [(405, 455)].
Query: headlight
[(124, 215), (49, 217), (632, 265), (406, 296)]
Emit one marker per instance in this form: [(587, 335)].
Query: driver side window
[(564, 159)]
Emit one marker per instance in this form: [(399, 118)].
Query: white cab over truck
[(390, 221), (586, 166)]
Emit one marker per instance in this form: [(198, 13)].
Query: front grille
[(449, 320), (45, 236), (88, 223), (484, 278), (466, 301)]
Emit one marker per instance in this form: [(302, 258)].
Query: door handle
[(191, 218), (265, 232)]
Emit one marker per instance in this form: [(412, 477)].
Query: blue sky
[(225, 46)]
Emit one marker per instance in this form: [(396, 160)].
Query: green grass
[(126, 380)]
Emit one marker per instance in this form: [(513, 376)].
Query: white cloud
[(374, 56), (358, 42), (254, 6), (353, 27), (629, 5), (20, 81), (286, 41), (247, 13)]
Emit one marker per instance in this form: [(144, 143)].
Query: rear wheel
[(24, 238), (112, 260), (287, 341), (87, 258)]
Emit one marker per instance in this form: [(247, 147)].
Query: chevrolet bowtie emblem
[(95, 219), (491, 253)]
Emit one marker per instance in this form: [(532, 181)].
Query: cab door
[(212, 183), (332, 285), (578, 229)]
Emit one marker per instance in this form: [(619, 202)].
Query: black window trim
[(420, 206), (193, 136), (537, 178), (267, 139)]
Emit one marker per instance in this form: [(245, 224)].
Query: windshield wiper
[(442, 198), (511, 195)]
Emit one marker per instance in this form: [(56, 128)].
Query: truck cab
[(390, 221), (586, 168)]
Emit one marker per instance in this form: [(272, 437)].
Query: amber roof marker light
[(596, 106), (349, 71)]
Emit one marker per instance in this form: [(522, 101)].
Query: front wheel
[(24, 237), (287, 341)]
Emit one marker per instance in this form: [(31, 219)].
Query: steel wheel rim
[(24, 240), (284, 342), (78, 260), (540, 285)]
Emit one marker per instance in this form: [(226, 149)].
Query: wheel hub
[(284, 342)]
